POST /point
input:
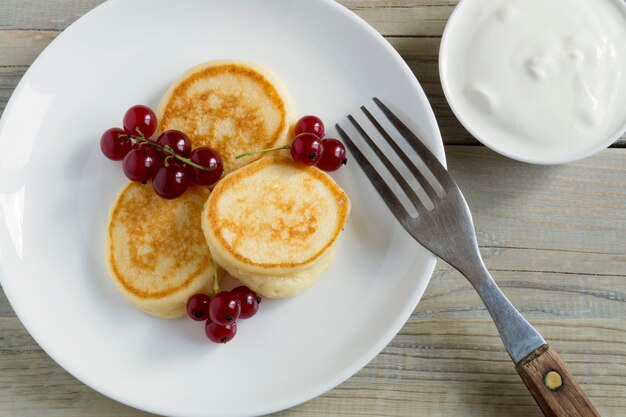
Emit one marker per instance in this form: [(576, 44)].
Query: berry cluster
[(310, 148), (168, 161), (222, 311)]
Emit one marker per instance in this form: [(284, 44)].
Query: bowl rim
[(539, 159)]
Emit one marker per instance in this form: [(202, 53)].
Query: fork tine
[(392, 169), (426, 186), (379, 183), (431, 161)]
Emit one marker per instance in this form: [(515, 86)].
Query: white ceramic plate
[(56, 189)]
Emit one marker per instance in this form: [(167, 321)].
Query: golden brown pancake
[(275, 218), (155, 249), (230, 106)]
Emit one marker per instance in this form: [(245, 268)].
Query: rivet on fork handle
[(552, 385)]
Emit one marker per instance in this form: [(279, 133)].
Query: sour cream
[(542, 81)]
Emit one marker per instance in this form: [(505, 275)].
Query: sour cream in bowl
[(540, 81)]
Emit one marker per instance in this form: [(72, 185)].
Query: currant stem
[(168, 150), (262, 151), (216, 285)]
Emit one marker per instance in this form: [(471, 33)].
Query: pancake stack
[(270, 222), (274, 224)]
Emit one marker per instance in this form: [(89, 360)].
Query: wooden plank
[(5, 307), (402, 4), (578, 207), (421, 20), (42, 14), (452, 374), (538, 295), (9, 77), (21, 47), (437, 366)]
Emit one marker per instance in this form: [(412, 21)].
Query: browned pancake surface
[(276, 213), (157, 246), (231, 108)]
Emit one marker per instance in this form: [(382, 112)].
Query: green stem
[(168, 150), (262, 151), (216, 286)]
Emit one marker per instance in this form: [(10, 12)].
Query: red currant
[(225, 308), (171, 181), (310, 124), (142, 163), (249, 301), (177, 141), (218, 333), (198, 307), (206, 157), (334, 155), (306, 149), (140, 120), (115, 144)]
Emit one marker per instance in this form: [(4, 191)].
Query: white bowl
[(457, 30)]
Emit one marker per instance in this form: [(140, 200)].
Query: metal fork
[(447, 231)]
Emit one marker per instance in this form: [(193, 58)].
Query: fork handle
[(553, 386)]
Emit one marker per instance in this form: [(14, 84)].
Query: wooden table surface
[(553, 237)]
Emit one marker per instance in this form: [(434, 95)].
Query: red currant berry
[(334, 155), (206, 157), (218, 333), (115, 144), (140, 120), (310, 124), (142, 163), (198, 307), (171, 181), (307, 149), (225, 308), (177, 141), (249, 301)]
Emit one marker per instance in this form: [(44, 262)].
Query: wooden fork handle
[(553, 386)]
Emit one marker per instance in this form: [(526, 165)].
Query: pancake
[(278, 286), (230, 106), (274, 218), (155, 249)]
